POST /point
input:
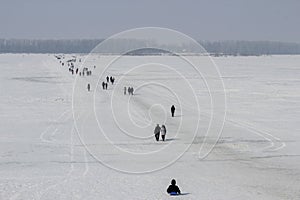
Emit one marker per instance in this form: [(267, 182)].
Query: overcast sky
[(276, 20)]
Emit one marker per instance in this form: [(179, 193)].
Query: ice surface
[(42, 156)]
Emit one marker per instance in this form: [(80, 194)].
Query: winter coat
[(157, 130), (163, 130), (173, 108), (173, 188)]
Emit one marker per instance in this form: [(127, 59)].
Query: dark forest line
[(86, 45)]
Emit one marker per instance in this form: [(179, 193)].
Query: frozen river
[(46, 154)]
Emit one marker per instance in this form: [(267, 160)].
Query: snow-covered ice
[(46, 154)]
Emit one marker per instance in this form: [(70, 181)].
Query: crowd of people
[(75, 70), (173, 189), (110, 79), (158, 131), (71, 63)]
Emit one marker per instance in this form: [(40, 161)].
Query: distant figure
[(163, 132), (112, 80), (173, 188), (172, 110), (125, 90), (76, 70), (79, 73), (106, 85), (157, 132), (103, 85), (89, 87), (129, 90), (107, 79), (132, 90)]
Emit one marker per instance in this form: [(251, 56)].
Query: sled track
[(275, 142)]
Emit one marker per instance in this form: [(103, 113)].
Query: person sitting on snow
[(173, 188)]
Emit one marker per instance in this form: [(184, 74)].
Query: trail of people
[(62, 152)]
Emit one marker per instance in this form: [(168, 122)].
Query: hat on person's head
[(173, 182)]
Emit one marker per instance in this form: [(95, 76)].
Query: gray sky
[(277, 20)]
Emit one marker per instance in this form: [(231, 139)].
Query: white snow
[(46, 154)]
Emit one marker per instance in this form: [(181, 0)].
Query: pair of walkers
[(104, 85), (111, 79), (129, 89), (160, 131)]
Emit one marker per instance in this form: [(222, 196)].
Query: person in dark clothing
[(107, 79), (103, 85), (129, 90), (132, 90), (112, 80), (163, 132), (173, 188), (106, 85), (89, 87), (172, 110), (76, 70), (157, 132)]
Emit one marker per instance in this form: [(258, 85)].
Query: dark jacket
[(173, 108), (157, 130), (173, 188)]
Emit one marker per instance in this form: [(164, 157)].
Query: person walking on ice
[(163, 132), (172, 110), (157, 132), (173, 189), (88, 87), (129, 90), (125, 89), (112, 80)]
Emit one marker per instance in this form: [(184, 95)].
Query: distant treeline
[(46, 46), (251, 48), (86, 45)]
